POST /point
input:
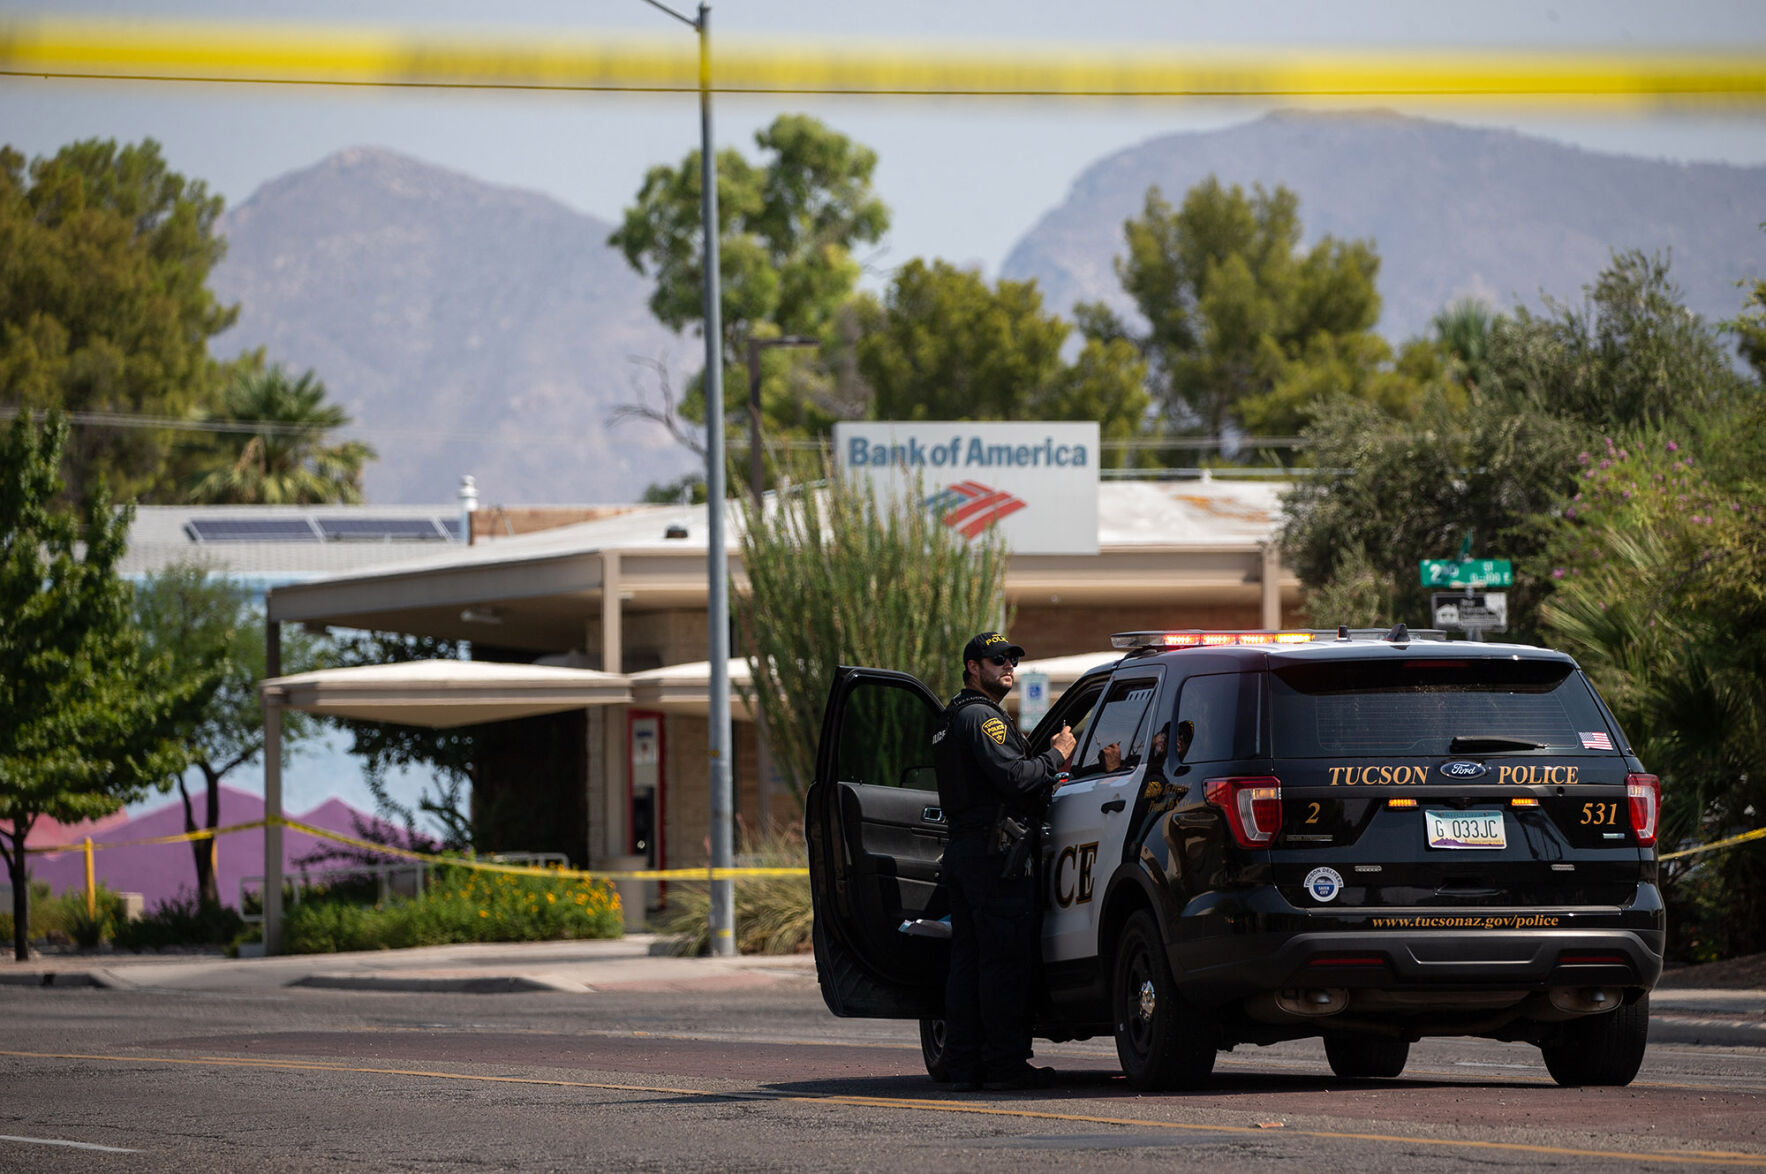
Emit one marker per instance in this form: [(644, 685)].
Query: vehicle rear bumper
[(1424, 950)]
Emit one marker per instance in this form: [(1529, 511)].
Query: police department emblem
[(1324, 884), (994, 728)]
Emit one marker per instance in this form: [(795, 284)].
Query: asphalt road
[(762, 1078)]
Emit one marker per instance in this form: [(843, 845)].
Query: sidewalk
[(482, 968)]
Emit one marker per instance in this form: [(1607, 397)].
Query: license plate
[(1465, 829)]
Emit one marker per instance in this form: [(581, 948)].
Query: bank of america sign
[(1034, 484)]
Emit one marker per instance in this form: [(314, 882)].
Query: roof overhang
[(445, 693)]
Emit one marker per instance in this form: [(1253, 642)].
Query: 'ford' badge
[(1464, 770)]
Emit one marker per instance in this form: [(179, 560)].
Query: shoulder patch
[(994, 728)]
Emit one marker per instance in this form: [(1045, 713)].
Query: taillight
[(1645, 795), (1253, 807)]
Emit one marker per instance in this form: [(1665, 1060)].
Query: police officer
[(993, 792)]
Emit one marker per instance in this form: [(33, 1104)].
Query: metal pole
[(272, 790), (723, 904)]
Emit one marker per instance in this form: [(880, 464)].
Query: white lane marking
[(78, 1145)]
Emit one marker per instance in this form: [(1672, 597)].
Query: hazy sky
[(964, 178)]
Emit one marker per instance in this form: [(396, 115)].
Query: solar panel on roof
[(381, 530), (251, 530)]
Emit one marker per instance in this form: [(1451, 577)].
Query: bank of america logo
[(970, 507)]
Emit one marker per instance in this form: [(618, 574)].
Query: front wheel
[(932, 1050), (1161, 1038), (1361, 1057), (1605, 1049)]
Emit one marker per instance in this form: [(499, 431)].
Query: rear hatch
[(1439, 781)]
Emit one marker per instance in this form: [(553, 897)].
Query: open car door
[(876, 836)]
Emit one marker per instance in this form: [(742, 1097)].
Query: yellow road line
[(1723, 1158), (355, 55)]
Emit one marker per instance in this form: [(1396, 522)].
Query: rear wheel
[(1600, 1049), (932, 1049), (1363, 1057), (1162, 1040)]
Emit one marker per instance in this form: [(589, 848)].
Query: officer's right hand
[(1064, 742)]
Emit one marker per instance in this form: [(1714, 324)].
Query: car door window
[(886, 739), (1217, 717), (1121, 722), (1074, 710)]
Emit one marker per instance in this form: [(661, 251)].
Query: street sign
[(1468, 572), (1485, 611), (1033, 698)]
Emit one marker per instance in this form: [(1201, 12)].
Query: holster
[(1013, 839)]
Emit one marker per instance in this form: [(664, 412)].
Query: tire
[(1604, 1049), (1162, 1040), (932, 1050), (1365, 1057)]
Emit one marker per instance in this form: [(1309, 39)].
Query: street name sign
[(1467, 572)]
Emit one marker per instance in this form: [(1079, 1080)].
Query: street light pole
[(756, 470), (717, 572)]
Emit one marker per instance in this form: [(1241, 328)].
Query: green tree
[(88, 720), (1237, 314), (943, 345), (1383, 494), (104, 258), (838, 577), (1632, 356), (1660, 565), (279, 455), (786, 231), (204, 624)]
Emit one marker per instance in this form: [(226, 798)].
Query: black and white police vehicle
[(1367, 837)]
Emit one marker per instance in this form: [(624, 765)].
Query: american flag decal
[(1596, 741), (970, 507)]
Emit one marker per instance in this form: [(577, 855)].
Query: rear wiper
[(1489, 744)]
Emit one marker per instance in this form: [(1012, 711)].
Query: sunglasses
[(999, 658)]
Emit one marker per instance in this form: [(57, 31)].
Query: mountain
[(468, 328), (1453, 211)]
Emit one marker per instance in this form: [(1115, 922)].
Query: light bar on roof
[(1201, 639)]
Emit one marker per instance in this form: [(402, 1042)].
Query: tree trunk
[(21, 892), (208, 889), (207, 883)]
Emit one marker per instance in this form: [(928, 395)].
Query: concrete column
[(1272, 585), (611, 635)]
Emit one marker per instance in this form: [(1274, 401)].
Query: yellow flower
[(484, 913), (551, 898)]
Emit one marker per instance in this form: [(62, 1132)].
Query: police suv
[(1367, 837)]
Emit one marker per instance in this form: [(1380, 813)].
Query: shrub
[(460, 905), (773, 914), (62, 917), (184, 920)]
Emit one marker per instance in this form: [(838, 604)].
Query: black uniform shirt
[(985, 765)]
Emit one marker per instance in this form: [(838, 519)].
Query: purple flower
[(1582, 458), (1569, 511), (1627, 495), (1606, 464), (1672, 447), (1558, 573)]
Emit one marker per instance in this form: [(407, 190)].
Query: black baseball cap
[(989, 644)]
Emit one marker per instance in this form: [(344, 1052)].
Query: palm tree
[(284, 459)]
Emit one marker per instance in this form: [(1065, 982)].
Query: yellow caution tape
[(681, 874), (261, 53), (180, 838), (1732, 841)]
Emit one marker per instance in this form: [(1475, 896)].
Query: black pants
[(995, 956)]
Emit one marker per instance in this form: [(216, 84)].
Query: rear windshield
[(1419, 706)]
